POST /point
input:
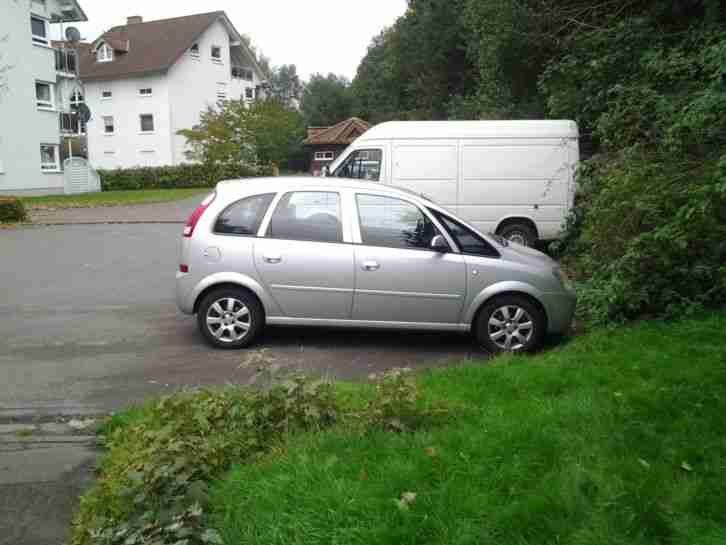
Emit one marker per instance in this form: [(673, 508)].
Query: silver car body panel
[(353, 284)]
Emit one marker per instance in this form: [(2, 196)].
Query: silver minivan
[(338, 252)]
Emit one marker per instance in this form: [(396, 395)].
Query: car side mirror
[(438, 244)]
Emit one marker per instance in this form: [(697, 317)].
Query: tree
[(234, 133), (285, 86), (326, 100)]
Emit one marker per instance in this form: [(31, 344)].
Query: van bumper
[(560, 308)]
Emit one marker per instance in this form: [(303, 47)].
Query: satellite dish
[(73, 34), (84, 112)]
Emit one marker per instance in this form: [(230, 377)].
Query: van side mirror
[(438, 244), (325, 172)]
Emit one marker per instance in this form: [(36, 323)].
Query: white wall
[(128, 146), (22, 126)]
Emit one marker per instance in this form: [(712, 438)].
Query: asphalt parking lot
[(88, 324)]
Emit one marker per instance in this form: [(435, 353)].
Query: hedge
[(168, 177), (11, 210)]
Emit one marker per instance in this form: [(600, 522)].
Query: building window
[(106, 94), (324, 156), (147, 122), (194, 51), (39, 30), (216, 53), (49, 158), (146, 92), (104, 53), (249, 93), (108, 124), (45, 95), (240, 72)]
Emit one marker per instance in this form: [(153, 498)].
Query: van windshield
[(362, 164)]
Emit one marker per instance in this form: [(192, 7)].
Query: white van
[(513, 178)]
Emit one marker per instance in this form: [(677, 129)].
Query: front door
[(302, 259), (398, 277)]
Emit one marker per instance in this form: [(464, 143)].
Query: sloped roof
[(342, 133), (153, 46)]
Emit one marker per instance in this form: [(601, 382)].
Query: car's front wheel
[(230, 318), (510, 323)]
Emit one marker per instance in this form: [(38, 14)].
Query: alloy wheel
[(228, 319), (510, 327)]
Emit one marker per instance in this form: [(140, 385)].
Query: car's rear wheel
[(230, 318), (520, 233), (510, 323)]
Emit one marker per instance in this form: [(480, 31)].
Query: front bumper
[(560, 308)]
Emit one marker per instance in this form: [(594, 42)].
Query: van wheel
[(521, 233), (510, 323), (230, 318)]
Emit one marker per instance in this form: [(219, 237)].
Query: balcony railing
[(71, 124), (66, 61), (240, 72)]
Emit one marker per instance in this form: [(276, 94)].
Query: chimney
[(134, 19)]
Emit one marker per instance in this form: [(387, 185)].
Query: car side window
[(387, 221), (466, 239), (364, 164), (308, 215), (244, 216)]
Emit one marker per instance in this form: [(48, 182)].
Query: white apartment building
[(39, 92), (144, 81)]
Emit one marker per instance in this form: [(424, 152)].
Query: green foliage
[(284, 85), (186, 175), (611, 440), (237, 135), (394, 406), (12, 210), (327, 100)]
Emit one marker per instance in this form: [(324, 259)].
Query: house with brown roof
[(324, 144), (144, 81)]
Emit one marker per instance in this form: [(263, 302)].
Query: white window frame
[(194, 52), (141, 125), (247, 89), (113, 125), (324, 155), (42, 104), (149, 94), (51, 167), (211, 54), (104, 53), (37, 39), (110, 94)]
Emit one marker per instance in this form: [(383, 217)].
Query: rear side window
[(308, 215), (466, 239), (387, 221), (243, 217)]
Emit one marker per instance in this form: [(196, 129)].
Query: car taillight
[(198, 211), (183, 268)]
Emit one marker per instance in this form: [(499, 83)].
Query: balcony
[(70, 124), (240, 72), (66, 61)]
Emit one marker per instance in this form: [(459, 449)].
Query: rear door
[(398, 277), (304, 260)]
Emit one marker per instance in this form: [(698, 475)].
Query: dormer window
[(104, 53), (194, 50), (216, 53)]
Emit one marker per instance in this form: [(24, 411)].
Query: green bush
[(168, 177), (11, 210)]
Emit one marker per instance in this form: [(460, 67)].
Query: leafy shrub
[(168, 177), (11, 210), (394, 405)]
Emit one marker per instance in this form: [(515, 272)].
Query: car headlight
[(561, 277)]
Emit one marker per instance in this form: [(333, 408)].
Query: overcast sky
[(315, 35)]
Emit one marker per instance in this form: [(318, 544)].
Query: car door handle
[(370, 265), (272, 258)]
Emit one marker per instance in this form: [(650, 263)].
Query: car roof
[(248, 186)]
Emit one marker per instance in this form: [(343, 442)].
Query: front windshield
[(361, 164)]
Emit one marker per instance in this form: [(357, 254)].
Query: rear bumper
[(560, 308), (184, 293)]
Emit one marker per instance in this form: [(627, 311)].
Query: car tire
[(510, 323), (520, 233), (230, 318)]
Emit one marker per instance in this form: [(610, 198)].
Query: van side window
[(466, 239), (243, 217), (363, 164), (391, 222)]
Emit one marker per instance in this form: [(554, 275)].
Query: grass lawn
[(618, 437), (110, 198)]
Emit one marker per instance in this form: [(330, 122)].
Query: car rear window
[(244, 216)]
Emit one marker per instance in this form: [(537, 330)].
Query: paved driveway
[(88, 324)]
